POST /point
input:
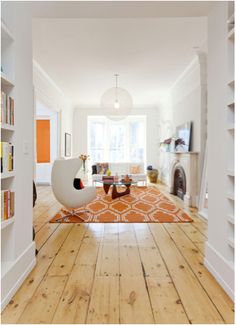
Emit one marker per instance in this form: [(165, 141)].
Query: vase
[(152, 175), (84, 165)]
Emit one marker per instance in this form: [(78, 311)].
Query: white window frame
[(126, 121)]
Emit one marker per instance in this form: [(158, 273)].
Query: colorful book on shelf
[(7, 108), (7, 157), (7, 204)]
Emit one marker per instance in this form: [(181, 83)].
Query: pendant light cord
[(116, 75)]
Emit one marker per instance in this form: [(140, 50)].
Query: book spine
[(9, 159), (12, 194), (2, 205), (9, 110), (4, 156), (1, 160), (12, 156), (7, 100), (5, 205), (9, 204), (13, 111), (1, 109)]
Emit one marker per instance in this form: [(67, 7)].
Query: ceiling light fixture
[(116, 102)]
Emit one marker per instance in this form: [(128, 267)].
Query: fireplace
[(183, 176), (179, 182)]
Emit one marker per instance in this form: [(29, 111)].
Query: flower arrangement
[(167, 141), (84, 157), (179, 141), (166, 144)]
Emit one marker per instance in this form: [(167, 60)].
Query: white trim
[(14, 277), (221, 269), (203, 213), (189, 68), (38, 69), (198, 60), (47, 91), (43, 117), (5, 32), (41, 183), (203, 188), (174, 165)]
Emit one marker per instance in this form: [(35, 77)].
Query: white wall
[(217, 249), (51, 96), (43, 170), (67, 116), (152, 136), (19, 22), (187, 99), (186, 102)]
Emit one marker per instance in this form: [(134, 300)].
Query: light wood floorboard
[(118, 273)]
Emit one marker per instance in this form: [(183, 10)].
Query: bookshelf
[(230, 127), (231, 83), (7, 127), (230, 181), (7, 175), (6, 81), (231, 34), (231, 242), (7, 222), (230, 172), (8, 136), (6, 34), (231, 219)]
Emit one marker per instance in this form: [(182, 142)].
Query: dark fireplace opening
[(179, 182)]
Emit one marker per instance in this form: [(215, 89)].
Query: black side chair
[(34, 201)]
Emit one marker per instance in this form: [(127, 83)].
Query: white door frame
[(202, 196)]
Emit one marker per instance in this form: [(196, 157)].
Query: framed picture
[(184, 136), (67, 144)]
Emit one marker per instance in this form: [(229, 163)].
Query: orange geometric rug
[(143, 204)]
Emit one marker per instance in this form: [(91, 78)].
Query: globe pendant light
[(116, 102)]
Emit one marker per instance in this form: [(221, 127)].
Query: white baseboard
[(16, 275), (220, 268), (203, 213), (43, 183)]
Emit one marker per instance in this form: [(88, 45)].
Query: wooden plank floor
[(118, 273)]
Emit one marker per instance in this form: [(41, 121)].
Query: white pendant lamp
[(116, 102)]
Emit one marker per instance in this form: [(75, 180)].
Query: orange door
[(43, 141)]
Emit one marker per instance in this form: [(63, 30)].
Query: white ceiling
[(82, 55)]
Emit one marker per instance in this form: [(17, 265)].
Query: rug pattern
[(143, 204)]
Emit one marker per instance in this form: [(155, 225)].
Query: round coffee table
[(115, 194)]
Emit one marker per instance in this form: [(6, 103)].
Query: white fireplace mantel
[(189, 162)]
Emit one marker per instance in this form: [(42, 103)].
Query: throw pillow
[(135, 169), (78, 184), (102, 168), (94, 169), (81, 184)]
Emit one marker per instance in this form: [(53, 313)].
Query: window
[(115, 141)]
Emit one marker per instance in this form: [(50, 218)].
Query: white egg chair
[(62, 180)]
